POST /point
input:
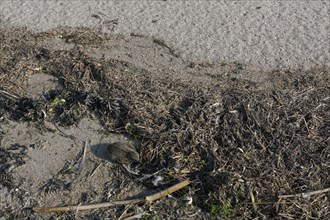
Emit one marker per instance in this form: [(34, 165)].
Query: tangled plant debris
[(241, 144)]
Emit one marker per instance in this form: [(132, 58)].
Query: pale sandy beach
[(270, 34)]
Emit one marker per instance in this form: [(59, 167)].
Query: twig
[(305, 195), (285, 215), (151, 198), (124, 213), (8, 95), (82, 164), (64, 134), (168, 191), (94, 171), (86, 207), (253, 200), (147, 176)]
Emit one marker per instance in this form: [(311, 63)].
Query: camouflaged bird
[(122, 153)]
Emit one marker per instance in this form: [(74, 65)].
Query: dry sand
[(269, 34)]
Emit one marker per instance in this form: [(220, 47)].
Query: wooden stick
[(86, 207), (151, 198), (82, 163), (305, 195), (168, 191), (94, 171), (8, 95)]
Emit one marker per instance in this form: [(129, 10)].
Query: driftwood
[(150, 198), (305, 195)]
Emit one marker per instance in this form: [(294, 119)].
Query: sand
[(269, 34), (164, 60)]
